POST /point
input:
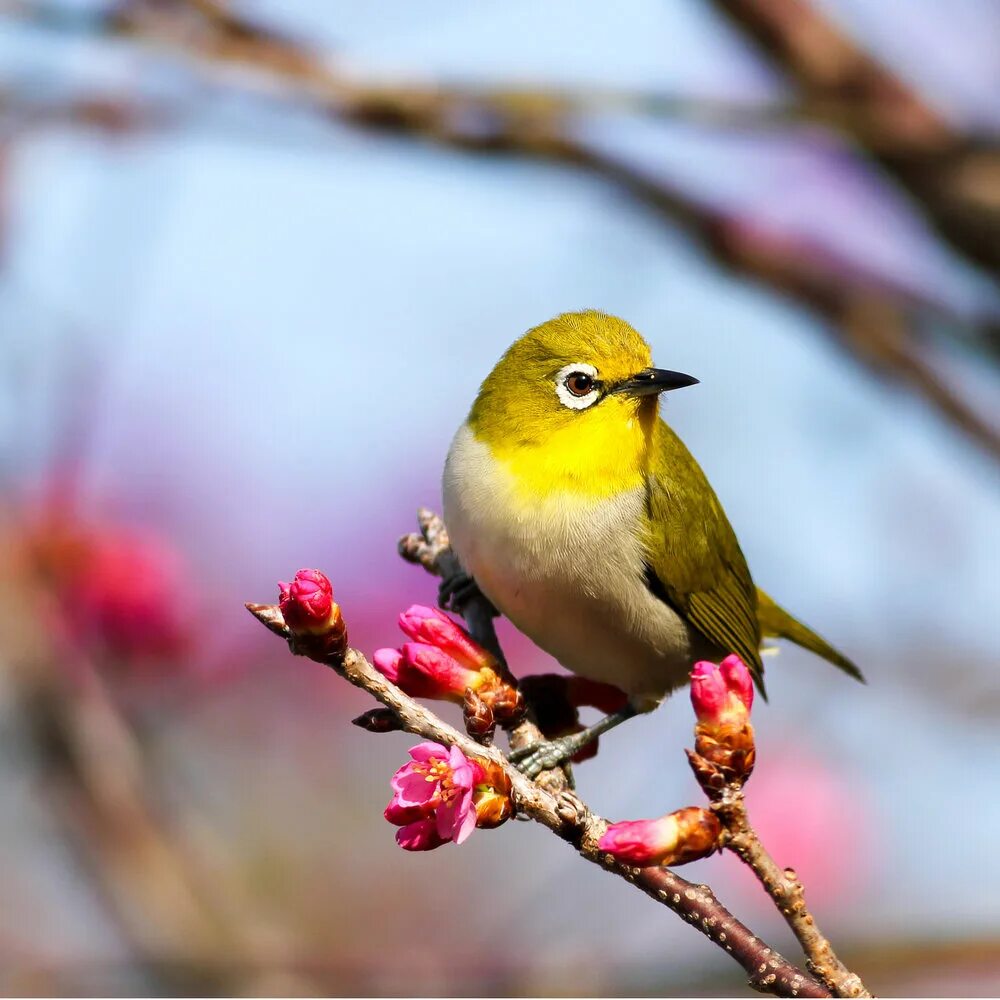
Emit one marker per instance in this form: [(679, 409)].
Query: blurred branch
[(549, 801), (165, 904), (954, 178), (876, 322)]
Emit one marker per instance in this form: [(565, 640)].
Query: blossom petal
[(411, 787), (466, 818), (427, 750), (419, 836)]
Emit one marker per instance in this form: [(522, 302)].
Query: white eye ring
[(566, 395)]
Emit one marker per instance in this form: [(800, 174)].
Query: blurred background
[(255, 259)]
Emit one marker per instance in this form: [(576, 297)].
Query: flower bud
[(492, 796), (432, 673), (434, 628), (480, 723), (387, 662), (724, 740), (722, 695), (378, 720), (307, 602), (313, 619), (674, 839)]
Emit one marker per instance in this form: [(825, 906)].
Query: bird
[(583, 518)]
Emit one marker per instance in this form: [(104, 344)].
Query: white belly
[(569, 572)]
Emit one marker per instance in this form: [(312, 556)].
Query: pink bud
[(722, 695), (737, 677), (708, 691), (387, 662), (307, 602), (433, 627), (428, 672), (676, 838), (640, 842)]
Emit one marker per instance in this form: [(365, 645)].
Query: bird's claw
[(532, 760)]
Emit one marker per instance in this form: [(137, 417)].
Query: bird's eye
[(578, 386)]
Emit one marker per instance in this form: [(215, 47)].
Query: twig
[(557, 807), (785, 888), (566, 816)]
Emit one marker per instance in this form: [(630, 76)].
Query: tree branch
[(548, 800), (539, 124), (785, 888), (955, 178)]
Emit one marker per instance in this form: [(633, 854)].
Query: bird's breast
[(568, 569)]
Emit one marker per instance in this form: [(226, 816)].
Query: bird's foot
[(532, 760), (456, 591)]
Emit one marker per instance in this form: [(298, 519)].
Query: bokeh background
[(254, 260)]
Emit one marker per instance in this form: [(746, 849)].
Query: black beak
[(653, 381)]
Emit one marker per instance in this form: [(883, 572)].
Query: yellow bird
[(586, 521)]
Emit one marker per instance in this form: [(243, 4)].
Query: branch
[(955, 178), (430, 548), (177, 916), (785, 888), (539, 124), (552, 804)]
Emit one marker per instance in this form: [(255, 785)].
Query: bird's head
[(575, 397)]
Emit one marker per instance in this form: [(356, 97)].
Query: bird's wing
[(694, 561)]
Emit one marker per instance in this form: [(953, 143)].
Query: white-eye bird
[(586, 521)]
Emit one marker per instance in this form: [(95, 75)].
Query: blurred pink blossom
[(811, 817), (119, 591), (126, 595)]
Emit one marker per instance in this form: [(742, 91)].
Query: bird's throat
[(603, 455)]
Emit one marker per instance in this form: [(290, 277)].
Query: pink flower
[(307, 602), (676, 838), (432, 797), (434, 628), (722, 695), (126, 595), (425, 671)]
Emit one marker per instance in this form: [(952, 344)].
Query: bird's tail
[(776, 622)]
